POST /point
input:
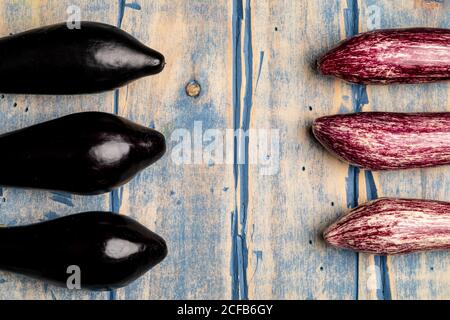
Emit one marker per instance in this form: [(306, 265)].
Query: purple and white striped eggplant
[(393, 226), (415, 55), (385, 140)]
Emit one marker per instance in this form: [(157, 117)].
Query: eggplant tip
[(329, 237)]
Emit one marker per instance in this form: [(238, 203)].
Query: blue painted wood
[(188, 204), (233, 232)]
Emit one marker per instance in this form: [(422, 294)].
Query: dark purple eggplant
[(415, 55), (83, 153), (58, 60), (109, 250)]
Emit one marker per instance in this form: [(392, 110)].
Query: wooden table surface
[(232, 231)]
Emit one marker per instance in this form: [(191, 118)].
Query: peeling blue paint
[(51, 215), (383, 283), (359, 97), (351, 21), (121, 6), (259, 256), (243, 170), (261, 61), (237, 74), (116, 199), (384, 288), (116, 101), (351, 18), (352, 187), (63, 197), (342, 109), (133, 5), (116, 195)]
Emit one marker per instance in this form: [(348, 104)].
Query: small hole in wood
[(26, 109), (310, 108), (193, 89), (332, 204), (321, 268), (15, 104), (310, 241), (276, 28), (303, 168)]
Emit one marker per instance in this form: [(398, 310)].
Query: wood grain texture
[(390, 226), (232, 231), (287, 211), (18, 111), (382, 141), (407, 55), (418, 276), (188, 204)]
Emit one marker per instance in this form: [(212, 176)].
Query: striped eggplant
[(58, 60), (387, 141), (393, 226), (415, 55), (110, 250)]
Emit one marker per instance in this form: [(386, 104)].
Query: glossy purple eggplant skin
[(111, 250), (415, 55), (84, 153), (58, 60), (387, 140)]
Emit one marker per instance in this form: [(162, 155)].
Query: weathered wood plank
[(418, 276), (288, 211), (188, 204), (254, 61), (18, 111)]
